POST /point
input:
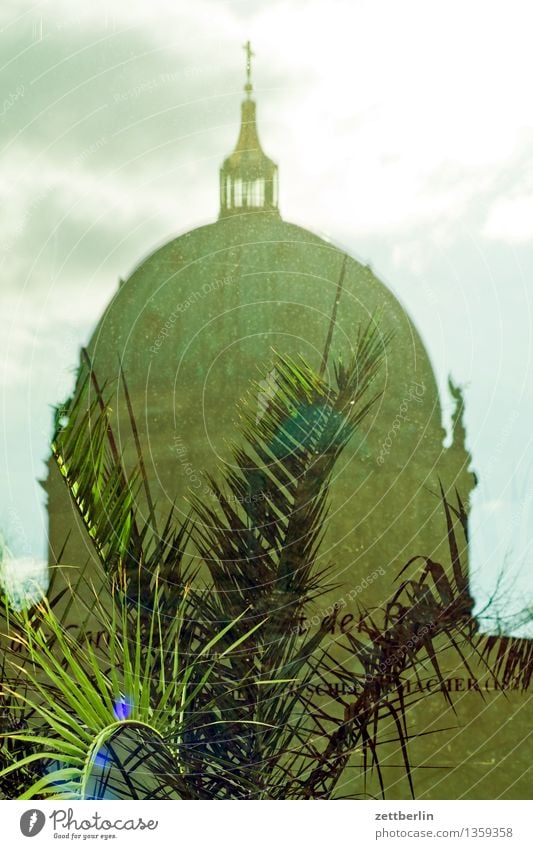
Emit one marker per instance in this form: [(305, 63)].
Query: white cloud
[(511, 219)]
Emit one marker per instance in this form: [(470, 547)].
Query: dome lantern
[(248, 178)]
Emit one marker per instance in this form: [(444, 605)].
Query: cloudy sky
[(403, 132)]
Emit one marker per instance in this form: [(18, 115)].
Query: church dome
[(204, 316)]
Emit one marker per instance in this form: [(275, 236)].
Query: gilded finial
[(248, 178), (248, 50)]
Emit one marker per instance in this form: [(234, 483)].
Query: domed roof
[(203, 316), (206, 314)]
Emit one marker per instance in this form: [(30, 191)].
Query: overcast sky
[(403, 132)]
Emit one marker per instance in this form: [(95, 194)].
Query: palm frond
[(261, 542), (201, 691), (427, 617), (106, 495)]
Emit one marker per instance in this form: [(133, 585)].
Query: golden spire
[(248, 178), (248, 50)]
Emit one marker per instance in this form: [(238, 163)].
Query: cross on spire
[(248, 50)]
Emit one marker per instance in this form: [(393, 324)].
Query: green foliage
[(203, 693), (428, 618), (87, 708), (261, 542)]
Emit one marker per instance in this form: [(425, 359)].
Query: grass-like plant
[(108, 723)]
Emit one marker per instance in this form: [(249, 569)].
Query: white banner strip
[(272, 825)]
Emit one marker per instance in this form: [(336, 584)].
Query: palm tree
[(206, 691)]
